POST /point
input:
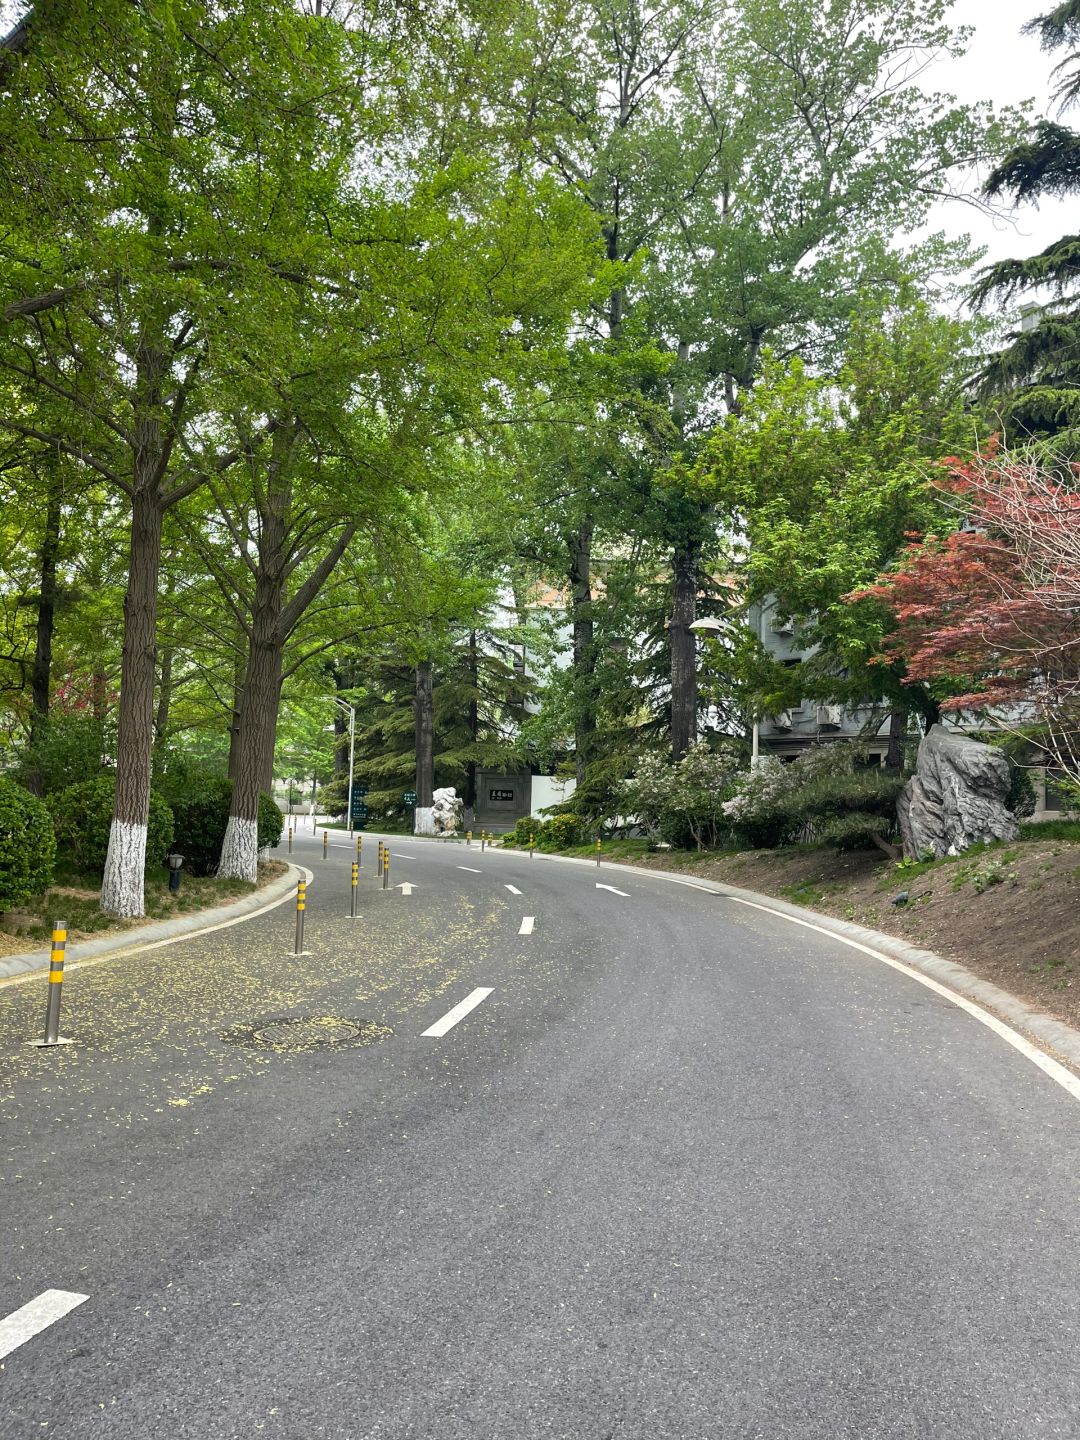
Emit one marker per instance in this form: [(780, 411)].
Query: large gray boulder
[(956, 796)]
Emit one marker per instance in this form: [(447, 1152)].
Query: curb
[(32, 961), (1052, 1034)]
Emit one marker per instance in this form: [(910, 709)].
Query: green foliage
[(561, 832), (68, 749), (825, 795), (1021, 797), (1052, 830), (27, 845), (82, 817), (684, 804), (201, 814)]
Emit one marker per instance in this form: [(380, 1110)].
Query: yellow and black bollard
[(532, 843), (598, 850), (290, 839), (378, 862), (483, 835), (359, 851), (325, 842), (56, 986), (355, 882), (386, 870), (301, 902)]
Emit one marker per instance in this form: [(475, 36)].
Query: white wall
[(547, 791)]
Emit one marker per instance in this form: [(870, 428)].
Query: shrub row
[(561, 832), (74, 824)]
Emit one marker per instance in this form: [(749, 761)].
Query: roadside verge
[(275, 892)]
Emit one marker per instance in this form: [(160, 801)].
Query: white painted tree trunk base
[(240, 851), (424, 820), (125, 862)]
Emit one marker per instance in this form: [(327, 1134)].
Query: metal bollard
[(532, 842), (359, 850), (290, 839), (598, 851), (301, 902), (56, 986), (355, 882), (386, 870), (325, 842), (378, 863), (483, 836)]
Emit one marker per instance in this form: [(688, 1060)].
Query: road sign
[(409, 797)]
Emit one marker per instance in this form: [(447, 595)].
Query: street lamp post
[(351, 712)]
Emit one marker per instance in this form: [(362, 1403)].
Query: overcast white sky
[(1006, 67)]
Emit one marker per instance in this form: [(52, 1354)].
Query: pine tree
[(1037, 374)]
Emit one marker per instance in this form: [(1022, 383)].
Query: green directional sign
[(409, 797)]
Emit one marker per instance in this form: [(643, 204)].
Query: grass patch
[(808, 892), (1051, 830), (74, 899)]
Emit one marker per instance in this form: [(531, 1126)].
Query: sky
[(1008, 68)]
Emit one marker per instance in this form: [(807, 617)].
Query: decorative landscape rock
[(446, 811), (956, 797)]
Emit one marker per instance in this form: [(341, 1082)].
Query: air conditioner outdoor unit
[(830, 717)]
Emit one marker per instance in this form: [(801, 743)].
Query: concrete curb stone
[(29, 961)]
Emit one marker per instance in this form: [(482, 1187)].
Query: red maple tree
[(994, 608)]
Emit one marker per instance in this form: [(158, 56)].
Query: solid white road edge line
[(513, 889), (451, 1018), (36, 1315), (527, 925), (1065, 1078), (470, 869)]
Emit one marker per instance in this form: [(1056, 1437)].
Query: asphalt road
[(686, 1172)]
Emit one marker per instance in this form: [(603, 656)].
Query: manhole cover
[(307, 1032)]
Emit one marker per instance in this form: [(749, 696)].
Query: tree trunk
[(683, 649), (125, 863), (474, 722), (239, 674), (584, 650), (41, 674), (255, 748), (256, 721), (425, 749), (894, 756)]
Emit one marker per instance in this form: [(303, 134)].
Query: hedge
[(27, 845)]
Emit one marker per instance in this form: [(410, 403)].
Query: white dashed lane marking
[(527, 925), (36, 1315), (451, 1018), (513, 890)]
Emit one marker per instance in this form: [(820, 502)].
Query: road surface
[(626, 1163)]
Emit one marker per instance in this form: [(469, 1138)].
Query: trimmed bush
[(82, 817), (828, 794), (27, 845), (68, 750), (561, 832), (271, 821), (201, 814)]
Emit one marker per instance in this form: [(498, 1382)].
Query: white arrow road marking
[(451, 1018), (613, 890), (471, 869), (527, 925), (406, 888), (36, 1315), (513, 890), (397, 856)]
